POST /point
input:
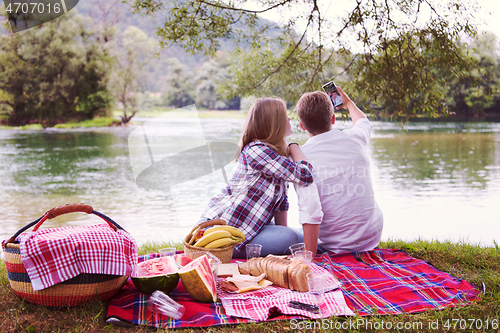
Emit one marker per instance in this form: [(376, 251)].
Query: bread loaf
[(280, 271)]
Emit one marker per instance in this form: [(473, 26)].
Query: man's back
[(352, 220)]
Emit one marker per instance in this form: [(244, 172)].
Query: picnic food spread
[(217, 237), (198, 280), (213, 236), (280, 271), (156, 274), (240, 283)]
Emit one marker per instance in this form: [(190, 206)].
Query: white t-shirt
[(352, 220)]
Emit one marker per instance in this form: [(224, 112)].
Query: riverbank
[(478, 265), (96, 122), (114, 120)]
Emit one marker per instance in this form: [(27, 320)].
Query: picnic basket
[(225, 254), (72, 292)]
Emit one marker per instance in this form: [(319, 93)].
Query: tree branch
[(246, 10), (432, 8), (287, 57), (348, 23), (7, 103)]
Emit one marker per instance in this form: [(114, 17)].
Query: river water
[(432, 181)]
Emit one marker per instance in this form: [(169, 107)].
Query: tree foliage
[(477, 95), (57, 71), (133, 52), (387, 47), (179, 91), (207, 80)]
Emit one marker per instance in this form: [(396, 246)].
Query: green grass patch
[(179, 113), (474, 263), (96, 122), (32, 127)]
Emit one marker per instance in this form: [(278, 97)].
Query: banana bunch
[(219, 236)]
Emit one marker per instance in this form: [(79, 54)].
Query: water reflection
[(431, 161), (442, 184)]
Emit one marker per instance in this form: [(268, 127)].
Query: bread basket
[(225, 254)]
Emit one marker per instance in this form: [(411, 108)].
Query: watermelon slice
[(182, 259), (198, 279), (156, 274)]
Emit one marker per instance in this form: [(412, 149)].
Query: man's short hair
[(315, 111)]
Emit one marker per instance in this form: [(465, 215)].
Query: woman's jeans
[(275, 239)]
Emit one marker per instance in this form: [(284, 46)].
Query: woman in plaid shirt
[(257, 192)]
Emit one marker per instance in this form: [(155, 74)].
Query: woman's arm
[(296, 152), (262, 158)]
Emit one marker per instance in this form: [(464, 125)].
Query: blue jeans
[(275, 239)]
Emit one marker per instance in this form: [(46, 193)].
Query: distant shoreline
[(113, 121)]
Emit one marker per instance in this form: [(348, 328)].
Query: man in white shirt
[(347, 217)]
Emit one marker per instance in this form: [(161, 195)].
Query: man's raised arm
[(353, 109)]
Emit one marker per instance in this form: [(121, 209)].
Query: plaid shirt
[(257, 190)]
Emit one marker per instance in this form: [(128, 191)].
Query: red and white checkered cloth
[(257, 305), (51, 256)]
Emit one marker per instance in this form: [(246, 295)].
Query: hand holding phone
[(331, 90)]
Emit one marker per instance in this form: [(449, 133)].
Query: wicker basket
[(225, 254), (72, 292)]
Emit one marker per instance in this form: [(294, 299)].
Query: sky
[(487, 18), (491, 22)]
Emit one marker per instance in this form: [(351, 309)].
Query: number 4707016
[(471, 324), (33, 8)]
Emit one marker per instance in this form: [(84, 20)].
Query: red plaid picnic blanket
[(389, 281), (51, 256), (382, 281), (257, 305)]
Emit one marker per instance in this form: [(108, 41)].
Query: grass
[(470, 262), (164, 112), (179, 113), (96, 122), (32, 127)]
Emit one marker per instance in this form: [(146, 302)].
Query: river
[(433, 181)]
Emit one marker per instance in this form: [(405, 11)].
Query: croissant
[(281, 272)]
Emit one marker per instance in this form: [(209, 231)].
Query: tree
[(179, 91), (54, 72), (372, 34), (132, 54), (478, 93), (207, 81)]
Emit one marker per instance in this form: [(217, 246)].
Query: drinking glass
[(253, 250), (168, 251), (159, 302), (316, 284), (297, 247), (304, 256)]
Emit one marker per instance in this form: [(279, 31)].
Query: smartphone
[(331, 89)]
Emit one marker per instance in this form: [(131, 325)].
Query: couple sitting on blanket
[(337, 210)]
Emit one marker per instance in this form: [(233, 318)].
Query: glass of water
[(297, 247), (304, 256), (316, 284), (167, 252)]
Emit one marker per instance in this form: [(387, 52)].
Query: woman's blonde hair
[(266, 121)]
